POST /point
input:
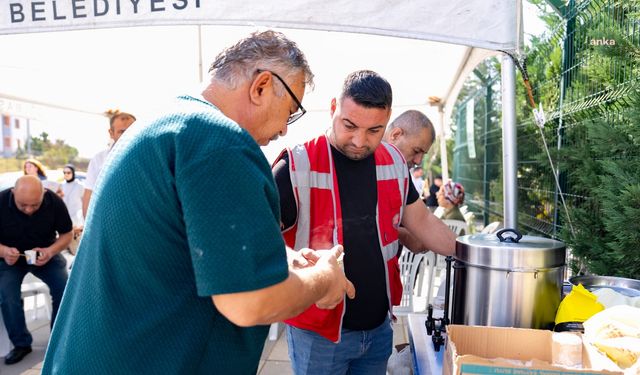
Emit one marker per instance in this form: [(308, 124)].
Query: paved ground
[(31, 364), (274, 361)]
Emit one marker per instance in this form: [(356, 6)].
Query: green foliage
[(602, 151), (433, 162), (607, 224), (53, 154), (547, 14), (40, 143)]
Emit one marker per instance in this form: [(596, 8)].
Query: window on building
[(7, 142), (17, 124), (6, 120)]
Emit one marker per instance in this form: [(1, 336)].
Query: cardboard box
[(486, 350)]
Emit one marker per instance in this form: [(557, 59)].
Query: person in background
[(33, 167), (119, 122), (72, 197), (416, 178), (182, 265), (348, 187), (432, 199), (72, 191), (450, 197), (413, 134), (31, 218)]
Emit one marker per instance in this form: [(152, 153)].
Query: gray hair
[(411, 122), (267, 50)]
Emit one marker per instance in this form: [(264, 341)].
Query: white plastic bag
[(400, 363)]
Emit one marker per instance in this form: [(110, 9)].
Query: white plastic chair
[(409, 263), (457, 226), (437, 262), (468, 217), (35, 289), (491, 227), (439, 212)]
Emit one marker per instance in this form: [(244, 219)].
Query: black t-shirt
[(38, 230), (363, 262)]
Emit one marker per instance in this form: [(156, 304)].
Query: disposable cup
[(31, 256)]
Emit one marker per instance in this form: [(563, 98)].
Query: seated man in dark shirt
[(31, 218)]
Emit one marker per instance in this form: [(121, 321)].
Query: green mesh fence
[(583, 72)]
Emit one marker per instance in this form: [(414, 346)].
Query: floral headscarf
[(453, 192)]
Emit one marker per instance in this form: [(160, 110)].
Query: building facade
[(15, 132)]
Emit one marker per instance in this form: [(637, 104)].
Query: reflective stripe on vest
[(396, 171), (303, 179)]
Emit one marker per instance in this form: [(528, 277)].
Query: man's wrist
[(51, 250)]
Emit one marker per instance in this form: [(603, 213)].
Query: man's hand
[(10, 255), (321, 280), (44, 255), (301, 259), (339, 284)]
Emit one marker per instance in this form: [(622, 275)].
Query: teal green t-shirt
[(185, 208)]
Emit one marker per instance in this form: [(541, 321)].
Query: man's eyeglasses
[(301, 111), (67, 172)]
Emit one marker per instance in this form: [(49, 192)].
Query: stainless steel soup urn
[(507, 280)]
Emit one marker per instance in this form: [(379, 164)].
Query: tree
[(602, 155), (54, 155), (39, 144)]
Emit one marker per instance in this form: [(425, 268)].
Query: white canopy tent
[(489, 24), (477, 29)]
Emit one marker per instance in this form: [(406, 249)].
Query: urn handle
[(512, 239)]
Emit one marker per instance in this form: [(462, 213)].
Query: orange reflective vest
[(319, 219)]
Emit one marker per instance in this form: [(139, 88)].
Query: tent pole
[(509, 144), (443, 146), (200, 53)]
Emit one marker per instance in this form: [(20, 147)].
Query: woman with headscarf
[(450, 197), (72, 190), (72, 196), (33, 167)]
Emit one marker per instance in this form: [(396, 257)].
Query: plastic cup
[(31, 256)]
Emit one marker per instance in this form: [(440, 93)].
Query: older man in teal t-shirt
[(186, 211)]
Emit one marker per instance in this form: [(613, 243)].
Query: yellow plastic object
[(578, 306)]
